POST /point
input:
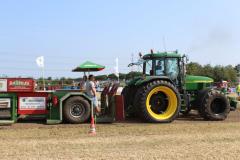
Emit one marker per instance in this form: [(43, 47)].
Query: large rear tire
[(215, 106), (76, 110), (158, 101)]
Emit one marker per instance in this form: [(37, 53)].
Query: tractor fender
[(151, 79), (71, 94)]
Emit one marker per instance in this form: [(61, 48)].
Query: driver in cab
[(159, 68)]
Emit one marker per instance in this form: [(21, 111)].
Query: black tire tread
[(140, 101), (205, 110)]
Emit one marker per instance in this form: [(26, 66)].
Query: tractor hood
[(191, 82), (198, 79), (195, 83)]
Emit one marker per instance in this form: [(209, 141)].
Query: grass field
[(189, 138)]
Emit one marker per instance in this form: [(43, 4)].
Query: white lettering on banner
[(32, 103), (3, 85)]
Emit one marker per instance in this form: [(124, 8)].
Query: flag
[(116, 68), (40, 61)]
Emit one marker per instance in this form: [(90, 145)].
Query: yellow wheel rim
[(172, 103)]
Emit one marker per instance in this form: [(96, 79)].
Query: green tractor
[(165, 90)]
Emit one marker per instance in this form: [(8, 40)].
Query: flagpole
[(40, 63), (43, 77), (116, 68)]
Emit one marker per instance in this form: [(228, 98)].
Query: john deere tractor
[(165, 90)]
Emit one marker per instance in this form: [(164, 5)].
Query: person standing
[(83, 83), (92, 93), (238, 89)]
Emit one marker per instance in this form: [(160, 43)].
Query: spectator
[(97, 85), (238, 89), (92, 93), (83, 83)]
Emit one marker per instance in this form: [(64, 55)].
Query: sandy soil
[(186, 138)]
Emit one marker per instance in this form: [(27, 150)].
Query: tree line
[(69, 81), (217, 72)]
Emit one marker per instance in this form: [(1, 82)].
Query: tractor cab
[(163, 64)]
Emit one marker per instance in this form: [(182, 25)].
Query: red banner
[(20, 85)]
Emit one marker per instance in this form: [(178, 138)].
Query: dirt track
[(185, 138)]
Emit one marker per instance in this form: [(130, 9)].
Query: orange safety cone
[(92, 127)]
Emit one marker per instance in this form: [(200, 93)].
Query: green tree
[(194, 68), (131, 75), (230, 74), (207, 70), (218, 72)]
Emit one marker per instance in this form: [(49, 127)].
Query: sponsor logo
[(32, 103), (19, 83)]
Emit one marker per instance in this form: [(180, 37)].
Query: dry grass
[(182, 139)]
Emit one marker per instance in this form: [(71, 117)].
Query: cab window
[(172, 69), (159, 67), (148, 68)]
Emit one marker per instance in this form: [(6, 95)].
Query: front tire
[(158, 101), (215, 106)]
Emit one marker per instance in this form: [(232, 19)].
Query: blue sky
[(68, 32)]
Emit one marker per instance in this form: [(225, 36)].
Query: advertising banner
[(32, 103), (3, 85), (20, 85)]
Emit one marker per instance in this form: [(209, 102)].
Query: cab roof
[(173, 54)]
